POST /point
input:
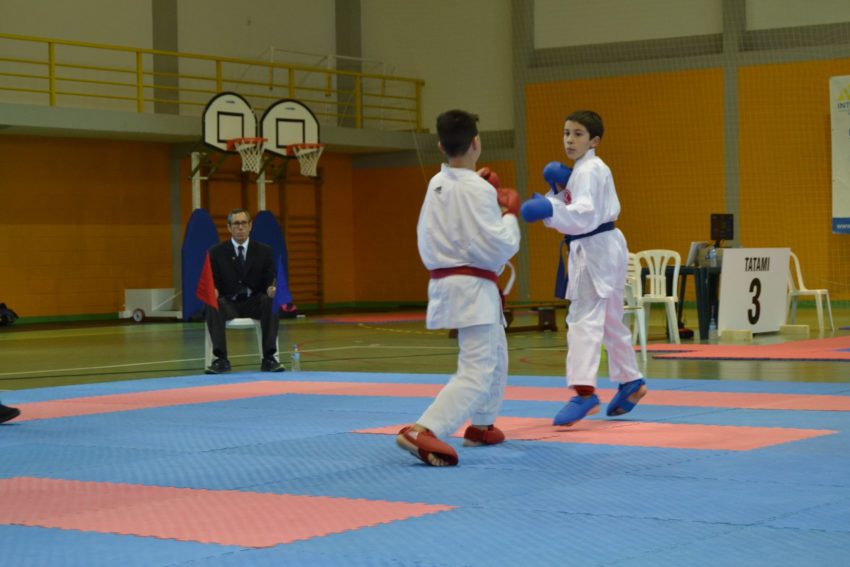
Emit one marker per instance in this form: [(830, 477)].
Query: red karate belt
[(465, 271), (469, 271)]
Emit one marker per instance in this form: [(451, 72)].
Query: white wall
[(564, 23), (125, 23), (249, 28), (460, 48), (264, 30), (116, 22), (770, 14)]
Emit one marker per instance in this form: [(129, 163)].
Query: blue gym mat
[(519, 503)]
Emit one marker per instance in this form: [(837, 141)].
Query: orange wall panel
[(93, 218), (385, 216), (388, 202), (338, 234), (786, 169)]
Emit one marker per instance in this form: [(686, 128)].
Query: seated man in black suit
[(244, 275)]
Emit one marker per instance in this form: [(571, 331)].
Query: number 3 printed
[(755, 289)]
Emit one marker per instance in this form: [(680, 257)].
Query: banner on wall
[(839, 106)]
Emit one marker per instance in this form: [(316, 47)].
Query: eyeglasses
[(240, 223)]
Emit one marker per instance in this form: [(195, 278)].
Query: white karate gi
[(461, 224), (597, 275)]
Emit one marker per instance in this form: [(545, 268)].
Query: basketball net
[(308, 157), (251, 150)]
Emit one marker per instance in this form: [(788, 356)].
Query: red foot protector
[(490, 436), (426, 444), (226, 517)]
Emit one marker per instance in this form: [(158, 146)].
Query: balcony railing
[(36, 70)]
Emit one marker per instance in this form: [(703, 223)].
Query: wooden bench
[(546, 320)]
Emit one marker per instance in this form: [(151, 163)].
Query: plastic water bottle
[(295, 361), (712, 325), (712, 257)]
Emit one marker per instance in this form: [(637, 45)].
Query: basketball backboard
[(227, 116), (288, 122)]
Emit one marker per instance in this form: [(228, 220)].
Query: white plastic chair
[(238, 323), (632, 306), (797, 288), (657, 262)]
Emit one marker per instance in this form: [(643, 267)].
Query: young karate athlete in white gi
[(466, 233), (583, 205)]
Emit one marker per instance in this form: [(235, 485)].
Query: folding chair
[(797, 288), (657, 262), (238, 323), (632, 306)]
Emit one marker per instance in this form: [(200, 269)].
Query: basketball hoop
[(308, 156), (251, 150)]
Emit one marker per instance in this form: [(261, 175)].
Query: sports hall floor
[(127, 454)]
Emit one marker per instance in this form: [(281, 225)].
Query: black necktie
[(241, 257)]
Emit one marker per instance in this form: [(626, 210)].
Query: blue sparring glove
[(556, 175), (537, 208)]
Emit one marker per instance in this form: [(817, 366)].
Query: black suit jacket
[(259, 273)]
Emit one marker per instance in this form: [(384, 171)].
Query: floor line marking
[(200, 358)]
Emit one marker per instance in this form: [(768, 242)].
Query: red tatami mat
[(227, 517), (204, 394), (833, 348), (642, 434)]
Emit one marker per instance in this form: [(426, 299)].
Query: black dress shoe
[(7, 413), (218, 366), (271, 365)]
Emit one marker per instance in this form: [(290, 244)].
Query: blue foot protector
[(577, 409), (620, 403)]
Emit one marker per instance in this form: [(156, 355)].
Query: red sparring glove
[(509, 201), (490, 176)]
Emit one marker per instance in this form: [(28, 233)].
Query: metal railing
[(90, 75)]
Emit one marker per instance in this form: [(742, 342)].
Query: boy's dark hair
[(456, 130), (590, 120)]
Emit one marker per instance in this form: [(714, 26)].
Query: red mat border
[(642, 434), (833, 349), (92, 405)]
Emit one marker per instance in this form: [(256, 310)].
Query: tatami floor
[(126, 454)]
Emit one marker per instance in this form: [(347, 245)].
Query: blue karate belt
[(563, 278)]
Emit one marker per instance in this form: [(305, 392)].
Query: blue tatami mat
[(524, 502)]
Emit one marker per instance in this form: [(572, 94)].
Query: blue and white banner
[(839, 107)]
